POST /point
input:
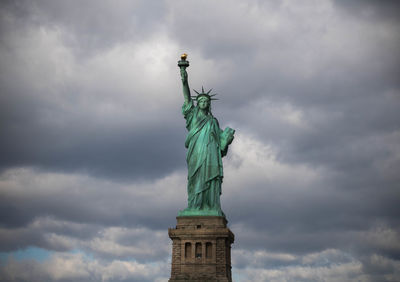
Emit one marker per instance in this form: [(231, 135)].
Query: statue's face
[(203, 103)]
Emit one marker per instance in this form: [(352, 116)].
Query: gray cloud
[(387, 11), (76, 267)]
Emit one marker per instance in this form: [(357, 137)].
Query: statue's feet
[(201, 212)]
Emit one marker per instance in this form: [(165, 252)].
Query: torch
[(183, 64)]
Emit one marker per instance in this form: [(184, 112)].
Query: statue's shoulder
[(189, 111)]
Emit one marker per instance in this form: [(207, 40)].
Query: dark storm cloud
[(92, 25), (40, 124), (81, 199), (101, 152), (387, 10), (320, 217)]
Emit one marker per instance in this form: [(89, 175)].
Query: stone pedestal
[(201, 249)]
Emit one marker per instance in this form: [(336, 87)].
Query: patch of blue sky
[(86, 256), (33, 253), (236, 276), (38, 254)]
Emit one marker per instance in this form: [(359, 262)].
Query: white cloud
[(259, 258), (92, 194), (78, 267), (343, 272), (109, 88), (129, 242), (328, 256), (252, 162), (71, 211), (328, 265)]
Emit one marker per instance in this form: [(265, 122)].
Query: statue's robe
[(204, 160)]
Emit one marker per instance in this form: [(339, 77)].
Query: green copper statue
[(206, 144)]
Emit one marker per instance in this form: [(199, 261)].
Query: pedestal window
[(198, 250), (188, 250)]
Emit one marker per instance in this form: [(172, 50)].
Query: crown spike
[(204, 94)]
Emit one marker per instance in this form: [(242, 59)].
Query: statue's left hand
[(230, 134), (226, 138)]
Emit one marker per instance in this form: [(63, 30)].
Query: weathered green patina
[(206, 144)]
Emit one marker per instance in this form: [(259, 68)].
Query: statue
[(206, 144)]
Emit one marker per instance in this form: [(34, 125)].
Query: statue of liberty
[(206, 144)]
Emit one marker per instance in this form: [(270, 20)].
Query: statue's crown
[(204, 94)]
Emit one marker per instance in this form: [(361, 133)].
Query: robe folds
[(204, 159)]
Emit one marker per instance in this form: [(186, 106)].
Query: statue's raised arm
[(183, 64)]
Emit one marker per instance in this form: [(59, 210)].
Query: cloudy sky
[(92, 166)]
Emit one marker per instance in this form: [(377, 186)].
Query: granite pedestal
[(201, 249)]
